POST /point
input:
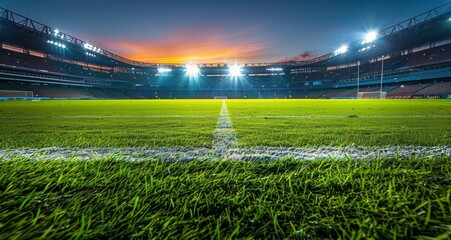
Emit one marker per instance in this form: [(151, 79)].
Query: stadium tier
[(411, 59)]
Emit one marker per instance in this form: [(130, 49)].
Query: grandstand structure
[(411, 59)]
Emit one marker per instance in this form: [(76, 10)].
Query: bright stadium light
[(370, 37), (88, 46), (274, 69), (341, 50), (56, 44), (164, 70), (235, 71), (192, 70)]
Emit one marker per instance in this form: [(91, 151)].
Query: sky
[(224, 31)]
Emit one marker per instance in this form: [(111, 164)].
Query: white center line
[(225, 137)]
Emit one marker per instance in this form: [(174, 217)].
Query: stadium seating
[(407, 73), (436, 89), (406, 90)]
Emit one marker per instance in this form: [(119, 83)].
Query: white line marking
[(255, 153), (225, 136)]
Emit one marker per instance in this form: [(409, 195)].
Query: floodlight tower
[(358, 78), (382, 76)]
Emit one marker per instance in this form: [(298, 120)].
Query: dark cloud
[(302, 57)]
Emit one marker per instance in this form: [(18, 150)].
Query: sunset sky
[(200, 31)]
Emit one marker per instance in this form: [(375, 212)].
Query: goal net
[(15, 94), (220, 97), (372, 95)]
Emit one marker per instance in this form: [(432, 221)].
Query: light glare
[(370, 37), (192, 70), (341, 50), (235, 71)]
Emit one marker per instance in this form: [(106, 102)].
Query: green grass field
[(299, 123), (108, 123), (110, 197), (289, 123)]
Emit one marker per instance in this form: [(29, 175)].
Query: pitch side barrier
[(24, 98)]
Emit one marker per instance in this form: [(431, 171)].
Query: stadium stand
[(406, 91), (416, 63), (435, 89)]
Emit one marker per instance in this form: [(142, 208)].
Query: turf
[(300, 123), (113, 198), (222, 199), (187, 123), (138, 108), (331, 107), (191, 123)]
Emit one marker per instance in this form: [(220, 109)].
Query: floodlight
[(164, 70), (192, 70), (341, 50), (275, 69), (56, 31), (88, 46), (370, 37), (235, 71)]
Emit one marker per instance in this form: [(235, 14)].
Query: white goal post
[(372, 95), (220, 97), (15, 94)]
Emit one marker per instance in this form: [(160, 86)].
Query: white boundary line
[(222, 152), (225, 137)]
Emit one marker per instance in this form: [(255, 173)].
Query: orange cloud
[(192, 47)]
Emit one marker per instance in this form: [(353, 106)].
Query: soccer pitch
[(192, 123), (190, 169)]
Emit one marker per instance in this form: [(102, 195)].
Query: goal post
[(372, 95), (16, 94), (220, 97)]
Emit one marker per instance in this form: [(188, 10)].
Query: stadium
[(50, 64), (350, 144)]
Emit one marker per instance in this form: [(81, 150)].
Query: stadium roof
[(438, 13)]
